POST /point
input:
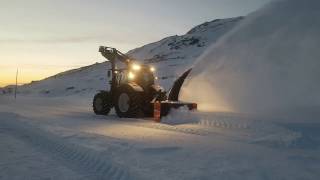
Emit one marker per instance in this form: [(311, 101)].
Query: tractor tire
[(102, 103), (128, 103)]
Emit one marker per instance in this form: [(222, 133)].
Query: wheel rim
[(123, 102), (98, 104)]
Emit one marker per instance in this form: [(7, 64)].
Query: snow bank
[(269, 63)]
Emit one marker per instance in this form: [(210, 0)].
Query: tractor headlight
[(131, 75), (152, 69), (136, 67)]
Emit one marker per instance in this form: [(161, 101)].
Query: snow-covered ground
[(265, 64), (61, 138)]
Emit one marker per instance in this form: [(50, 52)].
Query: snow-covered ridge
[(171, 56), (186, 46)]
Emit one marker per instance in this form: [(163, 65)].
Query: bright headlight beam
[(136, 67), (131, 75), (152, 69)]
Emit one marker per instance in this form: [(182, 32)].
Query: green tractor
[(133, 92)]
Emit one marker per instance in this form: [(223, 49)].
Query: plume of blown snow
[(269, 63)]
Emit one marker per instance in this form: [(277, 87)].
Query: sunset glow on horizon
[(42, 37)]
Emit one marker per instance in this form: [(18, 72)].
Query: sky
[(45, 37)]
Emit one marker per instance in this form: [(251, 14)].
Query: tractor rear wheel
[(128, 103), (102, 103)]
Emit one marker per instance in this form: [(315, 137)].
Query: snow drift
[(269, 63)]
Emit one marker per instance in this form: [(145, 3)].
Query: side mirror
[(109, 73)]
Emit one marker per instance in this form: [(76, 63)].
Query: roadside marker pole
[(15, 89)]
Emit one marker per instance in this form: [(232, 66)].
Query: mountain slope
[(171, 56)]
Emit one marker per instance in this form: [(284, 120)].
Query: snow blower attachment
[(133, 92)]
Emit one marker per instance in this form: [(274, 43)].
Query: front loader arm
[(113, 54)]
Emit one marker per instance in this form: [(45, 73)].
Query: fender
[(135, 87), (157, 88)]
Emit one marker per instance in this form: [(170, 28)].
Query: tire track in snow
[(93, 164), (166, 127), (159, 126), (212, 124), (205, 121), (202, 128)]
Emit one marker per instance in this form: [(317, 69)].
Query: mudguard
[(157, 88), (135, 87)]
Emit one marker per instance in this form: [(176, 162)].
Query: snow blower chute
[(133, 92)]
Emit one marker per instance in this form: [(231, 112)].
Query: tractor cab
[(142, 75)]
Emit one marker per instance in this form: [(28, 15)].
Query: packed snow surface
[(61, 138), (268, 64)]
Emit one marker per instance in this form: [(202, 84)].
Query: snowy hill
[(77, 81), (171, 56)]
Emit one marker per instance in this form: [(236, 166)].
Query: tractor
[(133, 92)]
